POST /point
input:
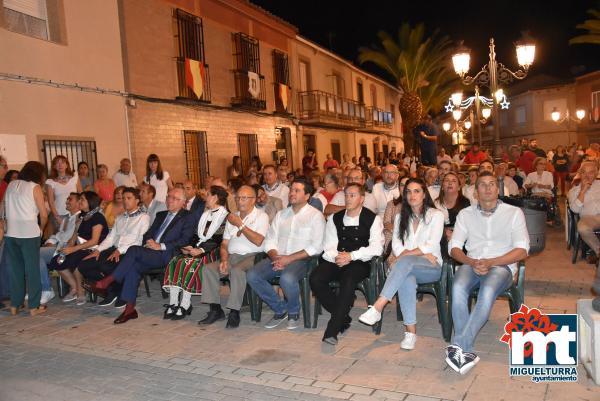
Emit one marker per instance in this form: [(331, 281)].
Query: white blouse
[(545, 179), (21, 210), (62, 192), (161, 186), (426, 237)]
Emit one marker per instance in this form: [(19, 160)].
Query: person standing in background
[(125, 177), (159, 179)]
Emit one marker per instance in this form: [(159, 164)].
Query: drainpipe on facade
[(127, 130)]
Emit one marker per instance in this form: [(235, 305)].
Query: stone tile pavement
[(76, 353)]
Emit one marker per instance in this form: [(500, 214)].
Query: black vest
[(351, 238)]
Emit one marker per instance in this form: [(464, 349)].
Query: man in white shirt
[(273, 186), (584, 199), (57, 242), (125, 177), (149, 204), (128, 230), (338, 202), (243, 238), (352, 238), (294, 236), (496, 238), (385, 191)]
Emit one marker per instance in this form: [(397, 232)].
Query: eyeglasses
[(243, 198)]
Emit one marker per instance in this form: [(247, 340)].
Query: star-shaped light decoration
[(449, 107), (504, 103)]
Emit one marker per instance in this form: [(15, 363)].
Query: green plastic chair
[(256, 302), (439, 289), (369, 287)]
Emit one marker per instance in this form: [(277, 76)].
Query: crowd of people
[(102, 235)]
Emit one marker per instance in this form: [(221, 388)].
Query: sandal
[(38, 311), (15, 311)]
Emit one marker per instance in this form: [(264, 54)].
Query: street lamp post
[(494, 73), (558, 119)]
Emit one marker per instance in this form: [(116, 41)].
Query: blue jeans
[(492, 284), (46, 254), (4, 274), (407, 272), (258, 277)]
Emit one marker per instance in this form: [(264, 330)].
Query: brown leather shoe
[(592, 259), (38, 311), (125, 316)]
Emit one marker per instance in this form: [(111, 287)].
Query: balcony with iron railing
[(378, 119), (186, 92), (248, 93), (322, 108)]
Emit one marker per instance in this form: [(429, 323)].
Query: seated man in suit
[(149, 204), (193, 202), (171, 230)]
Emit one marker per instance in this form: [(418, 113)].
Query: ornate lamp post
[(494, 73)]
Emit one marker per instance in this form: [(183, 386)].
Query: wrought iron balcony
[(379, 119), (185, 91), (322, 108), (243, 96)]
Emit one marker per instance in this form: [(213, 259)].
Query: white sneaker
[(410, 339), (47, 296), (81, 301), (370, 317), (69, 297)]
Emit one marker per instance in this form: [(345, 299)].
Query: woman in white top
[(24, 201), (540, 182), (159, 179), (60, 184), (418, 229)]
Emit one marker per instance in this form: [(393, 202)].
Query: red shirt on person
[(525, 161), (332, 163), (475, 158)]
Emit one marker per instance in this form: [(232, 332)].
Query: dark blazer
[(178, 232)]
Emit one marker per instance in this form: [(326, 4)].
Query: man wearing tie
[(171, 230)]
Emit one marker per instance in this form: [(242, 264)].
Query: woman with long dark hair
[(184, 272), (24, 202), (91, 230), (157, 177), (416, 241), (235, 170)]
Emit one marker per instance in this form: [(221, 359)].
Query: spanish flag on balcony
[(284, 91), (194, 76)]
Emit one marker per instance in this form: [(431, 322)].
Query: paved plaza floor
[(77, 354)]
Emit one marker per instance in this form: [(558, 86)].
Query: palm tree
[(419, 66), (593, 28)]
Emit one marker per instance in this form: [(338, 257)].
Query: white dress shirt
[(257, 221), (370, 203), (128, 230), (493, 236), (127, 180), (280, 191), (545, 179), (426, 237), (366, 253), (292, 232), (188, 204), (61, 238), (591, 203), (383, 195)]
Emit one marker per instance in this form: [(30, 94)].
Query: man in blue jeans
[(295, 235), (496, 238)]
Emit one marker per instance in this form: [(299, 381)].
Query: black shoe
[(213, 316), (346, 325), (471, 360), (108, 301), (181, 312), (120, 304), (454, 357), (169, 311), (233, 320)]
